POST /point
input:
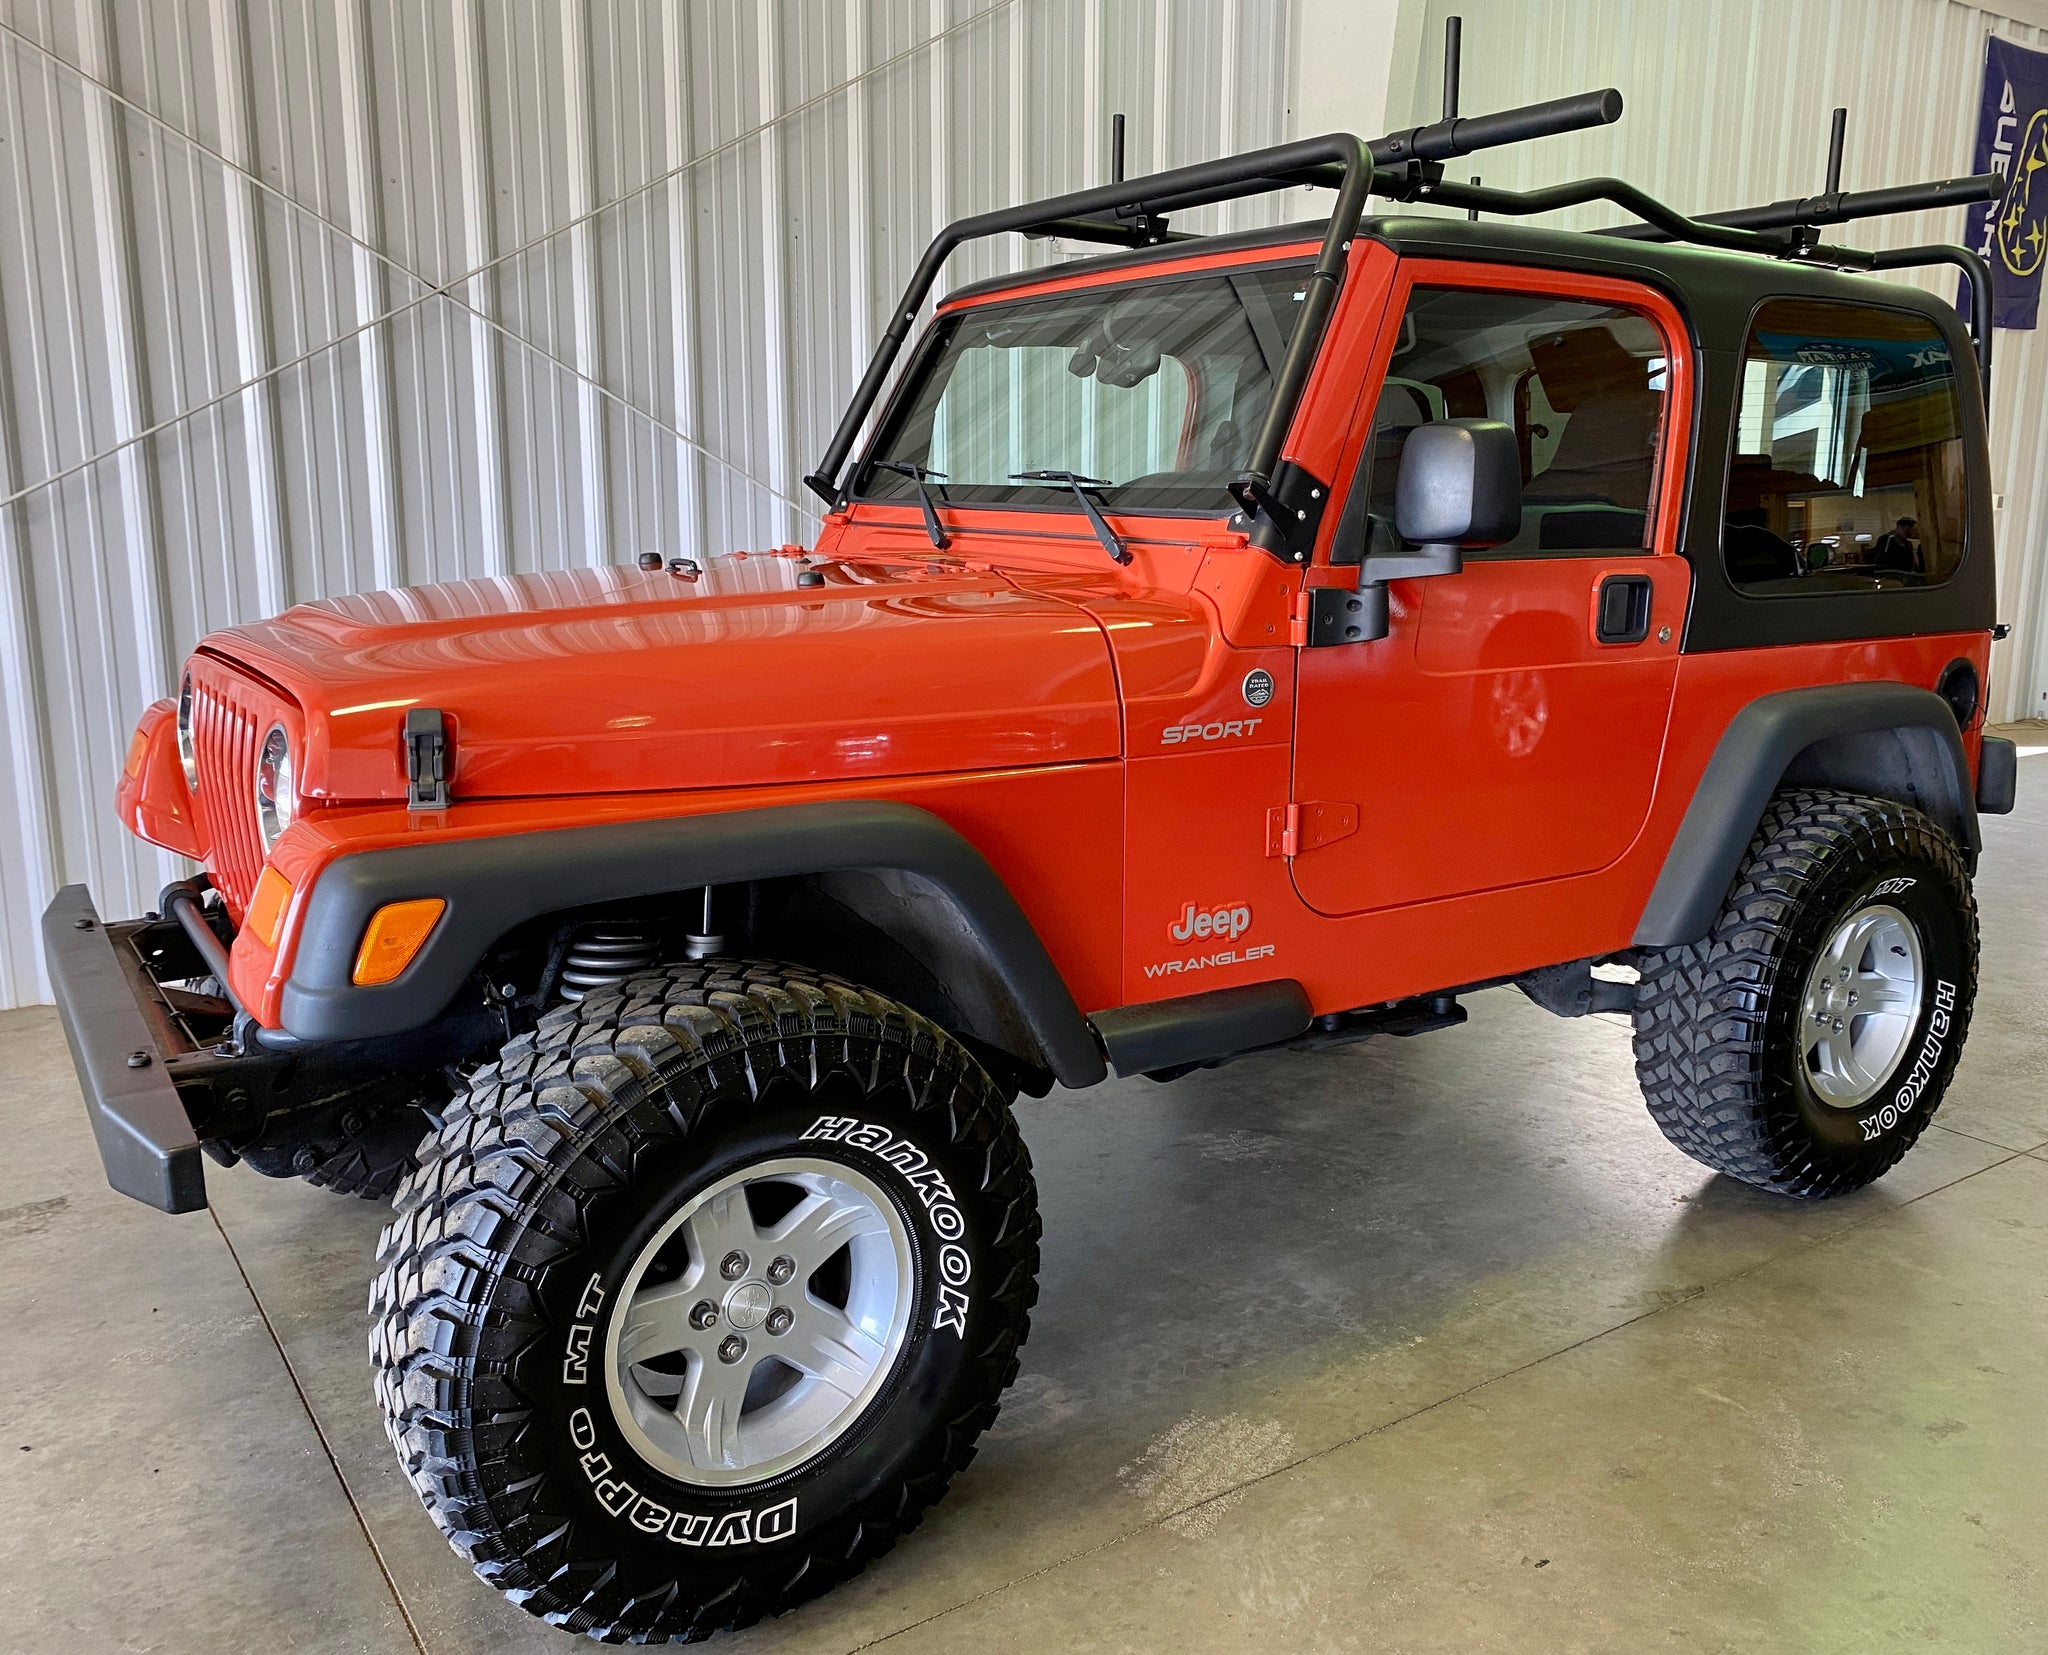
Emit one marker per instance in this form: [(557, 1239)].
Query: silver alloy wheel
[(738, 1361), (1861, 1003)]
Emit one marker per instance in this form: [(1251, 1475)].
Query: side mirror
[(1459, 487)]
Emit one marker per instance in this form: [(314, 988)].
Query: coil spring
[(605, 954)]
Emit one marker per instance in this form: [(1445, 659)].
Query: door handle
[(1622, 613)]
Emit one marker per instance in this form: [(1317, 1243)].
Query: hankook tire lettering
[(956, 1265), (1921, 1075)]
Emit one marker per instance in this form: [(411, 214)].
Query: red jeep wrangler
[(1220, 645)]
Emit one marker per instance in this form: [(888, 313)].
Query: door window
[(1583, 386), (1847, 473)]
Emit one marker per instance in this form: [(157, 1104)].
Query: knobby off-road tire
[(514, 1279), (1724, 1026), (372, 1153), (362, 1150)]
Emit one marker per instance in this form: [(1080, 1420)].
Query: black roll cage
[(1407, 166)]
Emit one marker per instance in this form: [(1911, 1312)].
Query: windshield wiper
[(917, 474), (1081, 485)]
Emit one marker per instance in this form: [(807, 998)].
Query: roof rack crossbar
[(1839, 206), (1672, 224), (1349, 163), (1801, 216)]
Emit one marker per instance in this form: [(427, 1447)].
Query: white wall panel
[(1728, 106), (314, 296)]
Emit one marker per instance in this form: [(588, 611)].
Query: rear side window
[(1847, 473), (1582, 385)]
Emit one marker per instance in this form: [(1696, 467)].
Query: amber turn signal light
[(393, 937), (267, 903)]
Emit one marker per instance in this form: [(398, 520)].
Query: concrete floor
[(1428, 1345)]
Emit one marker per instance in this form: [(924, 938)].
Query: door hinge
[(426, 759), (1294, 829), (1337, 615)]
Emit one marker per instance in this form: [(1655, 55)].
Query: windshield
[(1154, 390)]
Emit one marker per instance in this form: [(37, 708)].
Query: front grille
[(230, 717)]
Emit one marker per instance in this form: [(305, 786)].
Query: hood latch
[(426, 759)]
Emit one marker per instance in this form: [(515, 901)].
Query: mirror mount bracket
[(1412, 563), (1337, 616)]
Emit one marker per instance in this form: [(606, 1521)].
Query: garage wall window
[(1848, 466)]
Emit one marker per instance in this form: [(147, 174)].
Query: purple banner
[(2012, 138)]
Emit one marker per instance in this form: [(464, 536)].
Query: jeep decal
[(1230, 922)]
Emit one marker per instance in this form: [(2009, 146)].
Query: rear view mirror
[(1460, 487)]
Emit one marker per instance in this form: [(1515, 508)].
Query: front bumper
[(129, 1042)]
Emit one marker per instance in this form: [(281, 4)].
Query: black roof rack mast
[(1408, 166)]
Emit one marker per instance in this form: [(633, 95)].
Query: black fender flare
[(1833, 732), (492, 884)]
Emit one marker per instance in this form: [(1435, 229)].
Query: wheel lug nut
[(702, 1314), (1838, 1025), (732, 1348), (733, 1265), (1852, 998), (782, 1269), (779, 1319)]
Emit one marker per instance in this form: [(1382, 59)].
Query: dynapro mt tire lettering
[(515, 1283), (1723, 1026)]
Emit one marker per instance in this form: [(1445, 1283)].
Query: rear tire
[(613, 1224), (1757, 1056)]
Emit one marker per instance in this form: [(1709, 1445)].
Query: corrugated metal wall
[(1728, 105), (312, 296)]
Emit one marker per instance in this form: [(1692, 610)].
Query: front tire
[(702, 1295), (1806, 1041)]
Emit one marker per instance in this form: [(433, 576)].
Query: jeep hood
[(618, 680)]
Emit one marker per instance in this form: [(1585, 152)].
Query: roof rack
[(1138, 206), (1408, 166)]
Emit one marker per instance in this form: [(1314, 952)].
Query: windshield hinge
[(426, 759), (1292, 829), (1282, 516)]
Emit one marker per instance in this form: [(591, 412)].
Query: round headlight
[(188, 755), (276, 802)]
